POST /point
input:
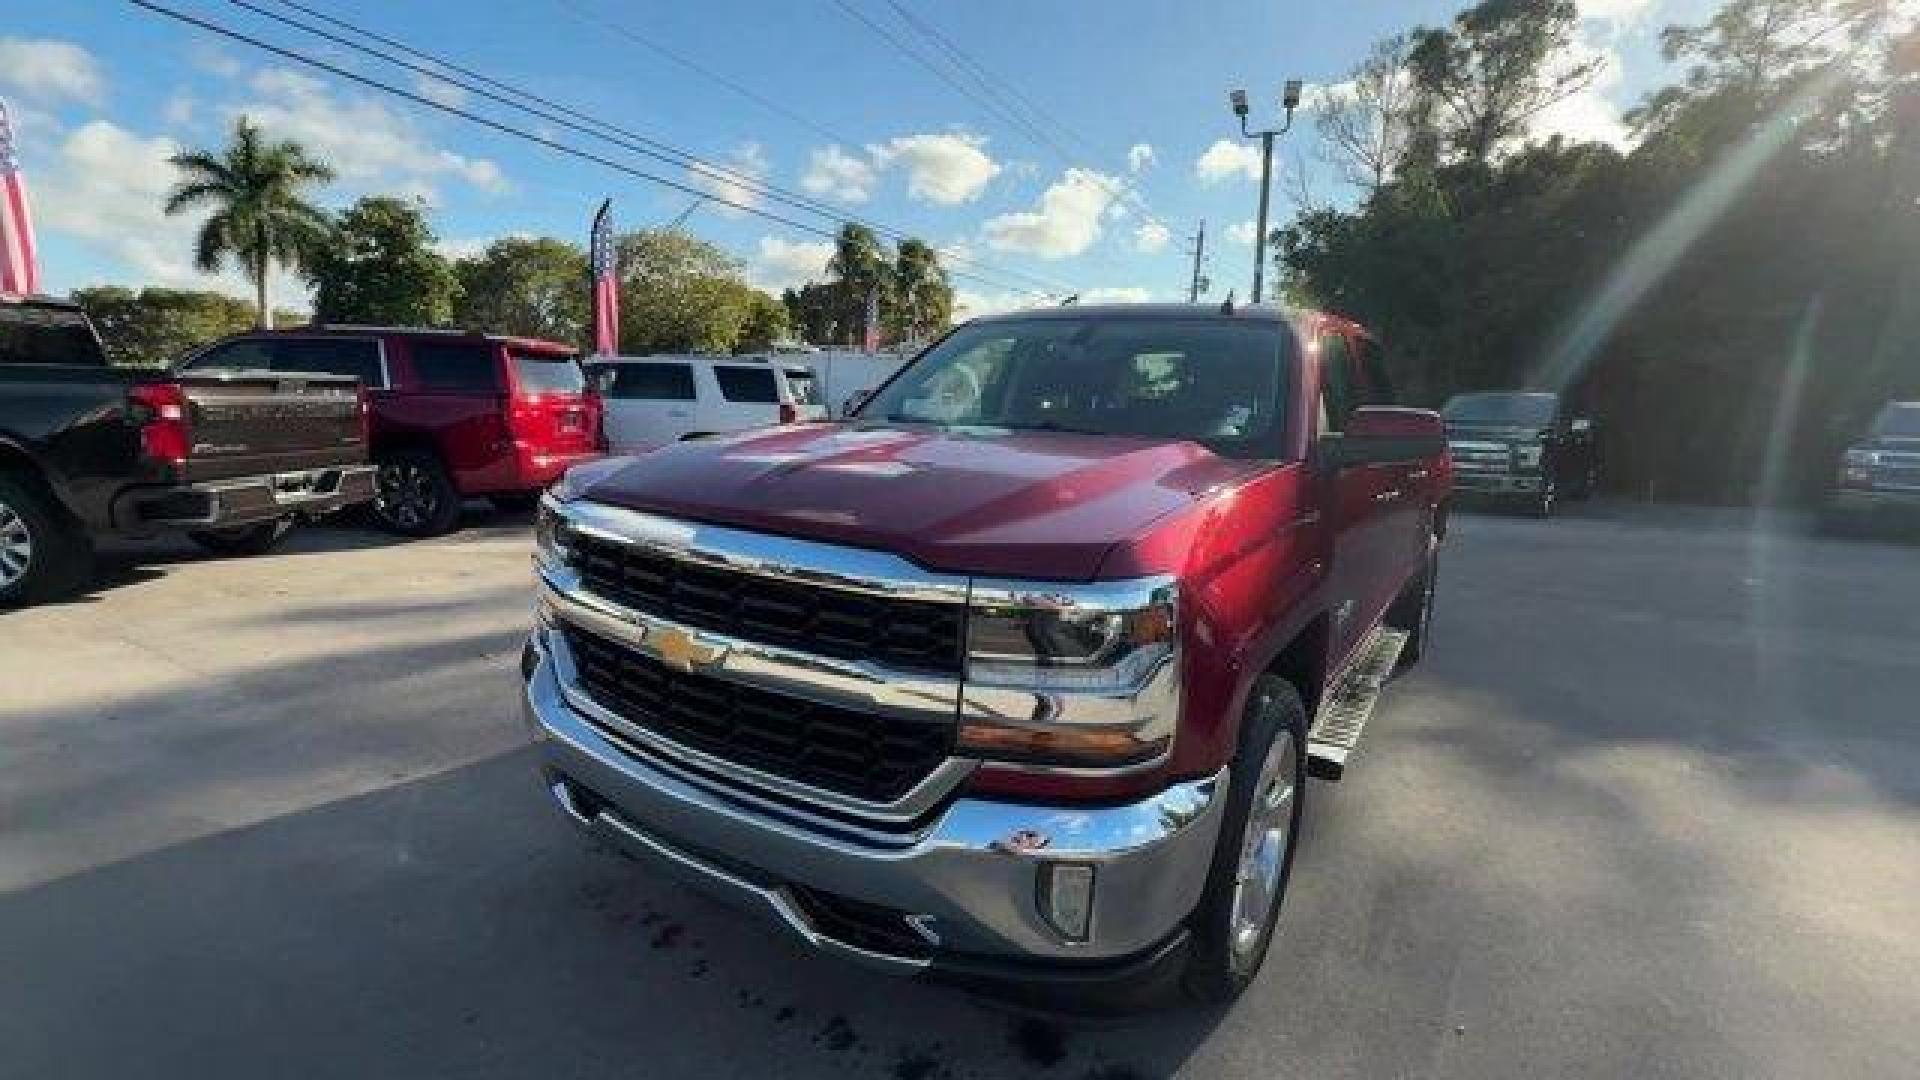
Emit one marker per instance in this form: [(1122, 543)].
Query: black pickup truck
[(88, 450)]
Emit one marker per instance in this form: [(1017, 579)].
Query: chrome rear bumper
[(963, 882)]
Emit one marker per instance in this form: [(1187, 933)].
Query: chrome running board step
[(1345, 709)]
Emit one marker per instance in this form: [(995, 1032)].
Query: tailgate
[(253, 423)]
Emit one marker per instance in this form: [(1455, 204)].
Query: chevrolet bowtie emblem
[(680, 651)]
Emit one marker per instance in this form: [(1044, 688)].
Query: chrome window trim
[(856, 570)]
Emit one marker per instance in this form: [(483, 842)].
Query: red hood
[(1043, 505)]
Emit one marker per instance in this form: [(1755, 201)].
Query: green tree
[(382, 268), (765, 323), (529, 286), (922, 294), (153, 327), (1497, 65), (813, 313), (679, 293), (857, 270), (258, 214)]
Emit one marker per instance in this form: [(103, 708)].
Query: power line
[(573, 119), (497, 125)]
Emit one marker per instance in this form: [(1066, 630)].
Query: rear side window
[(1379, 387), (252, 354), (356, 357), (546, 373), (455, 366), (30, 334), (747, 384), (647, 382), (1336, 384), (805, 390)]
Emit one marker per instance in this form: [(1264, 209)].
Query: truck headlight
[(1527, 456), (1074, 675), (551, 544)]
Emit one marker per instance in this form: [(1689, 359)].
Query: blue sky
[(104, 92)]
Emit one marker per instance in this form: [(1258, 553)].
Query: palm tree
[(259, 215)]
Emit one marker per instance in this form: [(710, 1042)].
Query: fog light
[(1066, 898)]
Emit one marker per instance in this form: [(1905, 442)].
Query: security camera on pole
[(1289, 100)]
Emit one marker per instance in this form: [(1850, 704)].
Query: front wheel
[(41, 554), (1253, 859), (242, 540)]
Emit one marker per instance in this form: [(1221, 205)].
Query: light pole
[(1289, 100)]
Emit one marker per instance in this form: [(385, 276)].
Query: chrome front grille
[(1477, 456), (909, 634)]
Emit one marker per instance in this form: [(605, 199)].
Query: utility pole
[(1289, 100), (1199, 284)]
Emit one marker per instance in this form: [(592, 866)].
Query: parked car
[(843, 375), (87, 450), (1528, 447), (1880, 474), (452, 414), (1016, 677), (655, 400)]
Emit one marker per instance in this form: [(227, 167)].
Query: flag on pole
[(606, 284), (871, 340), (19, 264)]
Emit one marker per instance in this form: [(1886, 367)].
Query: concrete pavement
[(1651, 808)]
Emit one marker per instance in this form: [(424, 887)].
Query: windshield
[(1900, 420), (1502, 410), (1215, 381), (547, 373)]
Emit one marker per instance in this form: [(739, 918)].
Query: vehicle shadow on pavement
[(455, 926)]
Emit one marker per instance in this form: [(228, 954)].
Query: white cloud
[(784, 264), (1139, 156), (1065, 222), (1620, 15), (836, 174), (968, 304), (50, 70), (1243, 232), (367, 143), (947, 169), (1227, 158), (1130, 294), (179, 110), (1151, 237), (439, 91), (1590, 115), (737, 180)]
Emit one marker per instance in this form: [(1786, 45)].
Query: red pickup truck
[(451, 413), (1015, 677)]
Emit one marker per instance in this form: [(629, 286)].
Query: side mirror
[(1377, 435)]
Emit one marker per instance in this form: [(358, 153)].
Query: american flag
[(19, 264), (871, 341), (606, 284)]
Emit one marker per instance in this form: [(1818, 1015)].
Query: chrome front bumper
[(966, 881), (1497, 483)]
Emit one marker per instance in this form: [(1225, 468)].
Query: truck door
[(1361, 546), (1405, 500)]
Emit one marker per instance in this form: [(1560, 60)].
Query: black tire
[(1413, 610), (515, 504), (1223, 962), (243, 540), (43, 554), (414, 496)]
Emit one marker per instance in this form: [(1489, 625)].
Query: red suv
[(451, 413)]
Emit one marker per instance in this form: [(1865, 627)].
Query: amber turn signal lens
[(1057, 746)]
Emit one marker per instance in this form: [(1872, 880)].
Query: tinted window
[(466, 366), (1336, 384), (1502, 410), (30, 334), (546, 373), (1378, 388), (357, 357), (747, 384), (1900, 421), (251, 354), (1216, 381), (805, 390), (647, 382)]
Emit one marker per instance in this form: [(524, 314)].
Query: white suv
[(654, 400)]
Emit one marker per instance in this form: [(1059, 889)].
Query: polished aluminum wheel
[(16, 546), (1263, 848)]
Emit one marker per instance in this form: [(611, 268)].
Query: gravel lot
[(1652, 808)]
